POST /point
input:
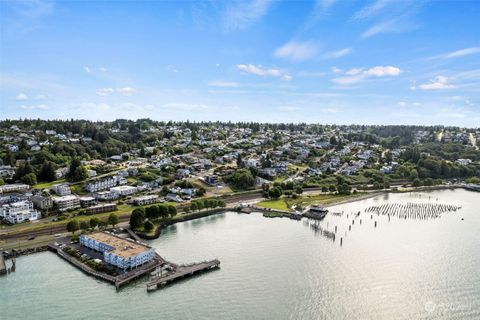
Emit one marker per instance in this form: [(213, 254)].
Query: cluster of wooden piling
[(420, 211)]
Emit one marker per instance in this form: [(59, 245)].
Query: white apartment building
[(14, 187), (20, 211), (104, 184), (67, 202), (61, 189), (124, 190)]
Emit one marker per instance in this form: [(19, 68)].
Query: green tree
[(113, 219), (81, 174), (243, 179), (137, 218), (47, 172), (275, 193), (94, 222), (172, 211), (148, 226), (30, 179), (417, 183), (84, 225), (72, 226)]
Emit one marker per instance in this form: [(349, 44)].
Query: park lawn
[(303, 201), (46, 185), (279, 204)]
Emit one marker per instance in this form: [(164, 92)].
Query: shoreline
[(26, 250)]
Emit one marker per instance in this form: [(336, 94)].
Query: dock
[(3, 266), (180, 272)]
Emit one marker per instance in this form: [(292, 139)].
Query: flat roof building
[(117, 251)]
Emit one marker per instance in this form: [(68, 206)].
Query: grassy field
[(320, 199), (46, 185)]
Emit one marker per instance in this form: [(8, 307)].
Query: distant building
[(122, 253), (100, 208), (104, 184), (67, 202), (87, 201), (106, 195), (42, 202), (17, 212), (62, 189), (144, 200), (14, 187), (124, 190)]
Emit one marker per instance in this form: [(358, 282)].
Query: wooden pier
[(180, 272), (3, 266)]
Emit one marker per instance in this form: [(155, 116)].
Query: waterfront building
[(144, 200), (87, 201), (100, 208), (67, 202), (122, 253), (20, 211)]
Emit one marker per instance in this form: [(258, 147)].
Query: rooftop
[(121, 247)]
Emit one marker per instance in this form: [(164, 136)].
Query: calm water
[(282, 269)]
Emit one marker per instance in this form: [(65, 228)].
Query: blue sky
[(325, 61)]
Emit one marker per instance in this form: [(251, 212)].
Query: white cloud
[(288, 108), (336, 70), (371, 10), (102, 69), (382, 27), (402, 103), (438, 83), (242, 14), (185, 106), (296, 51), (381, 71), (356, 75), (126, 91), (227, 84), (462, 53), (261, 71), (337, 54), (87, 69), (21, 97), (34, 107), (35, 8), (171, 68), (40, 97)]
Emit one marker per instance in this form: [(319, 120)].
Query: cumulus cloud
[(296, 51), (102, 69), (265, 72), (356, 75), (87, 69), (126, 91), (21, 97), (437, 83)]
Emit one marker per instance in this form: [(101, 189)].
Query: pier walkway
[(181, 272), (3, 266)]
